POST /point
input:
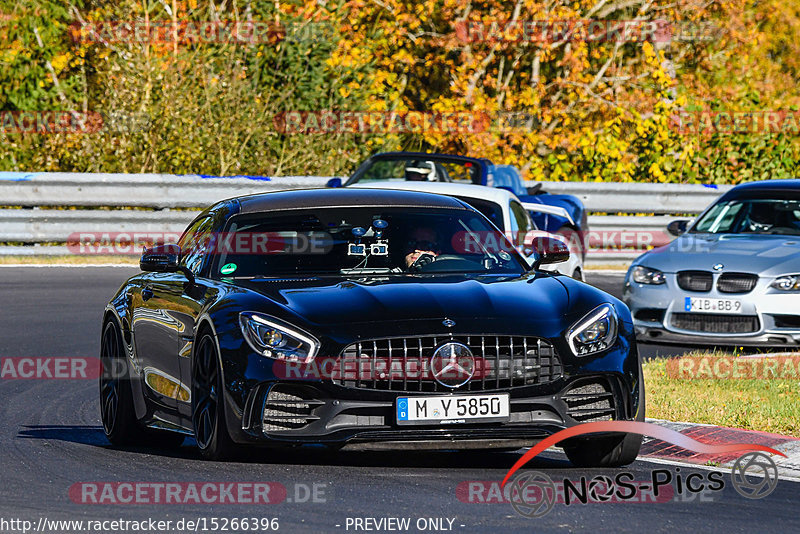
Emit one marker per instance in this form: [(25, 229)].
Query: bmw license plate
[(703, 305), (452, 409)]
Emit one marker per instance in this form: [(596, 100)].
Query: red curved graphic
[(635, 427)]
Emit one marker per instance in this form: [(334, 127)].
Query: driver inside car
[(423, 245), (420, 171)]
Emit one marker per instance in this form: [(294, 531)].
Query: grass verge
[(768, 405)]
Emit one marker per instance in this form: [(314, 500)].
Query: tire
[(116, 398), (613, 451), (578, 275), (208, 414)]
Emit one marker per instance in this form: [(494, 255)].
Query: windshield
[(752, 216), (363, 241), (489, 209), (420, 170)]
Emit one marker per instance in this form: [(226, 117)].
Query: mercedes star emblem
[(453, 365)]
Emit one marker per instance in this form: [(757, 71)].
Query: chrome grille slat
[(501, 365), (374, 371), (419, 358), (358, 365), (405, 364), (497, 359), (486, 372)]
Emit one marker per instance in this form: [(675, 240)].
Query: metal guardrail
[(629, 197), (137, 190), (37, 223)]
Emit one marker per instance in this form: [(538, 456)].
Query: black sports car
[(363, 319)]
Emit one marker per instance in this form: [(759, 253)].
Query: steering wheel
[(421, 261)]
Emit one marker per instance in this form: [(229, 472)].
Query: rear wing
[(550, 210)]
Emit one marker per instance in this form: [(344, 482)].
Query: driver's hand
[(413, 256)]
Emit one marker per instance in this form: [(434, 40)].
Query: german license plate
[(452, 409), (693, 304)]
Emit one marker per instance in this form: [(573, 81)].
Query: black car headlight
[(596, 332), (789, 282), (646, 275), (273, 338)]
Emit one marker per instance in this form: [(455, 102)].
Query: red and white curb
[(662, 452)]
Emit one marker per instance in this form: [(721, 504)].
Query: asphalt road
[(51, 440)]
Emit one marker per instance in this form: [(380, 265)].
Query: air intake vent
[(737, 282), (716, 323), (590, 401), (288, 411), (699, 281)]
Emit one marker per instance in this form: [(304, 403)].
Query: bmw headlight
[(787, 283), (274, 339), (646, 275), (595, 332)]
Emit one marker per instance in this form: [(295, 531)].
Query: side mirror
[(678, 228), (160, 259), (164, 259), (549, 250), (334, 182)]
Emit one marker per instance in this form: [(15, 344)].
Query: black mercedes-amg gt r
[(363, 319)]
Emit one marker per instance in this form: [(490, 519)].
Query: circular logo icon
[(452, 365), (754, 475), (532, 494), (449, 323), (601, 488), (718, 267)]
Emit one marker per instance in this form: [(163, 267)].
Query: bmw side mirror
[(334, 182), (677, 228), (549, 250)]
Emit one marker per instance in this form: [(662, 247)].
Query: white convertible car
[(504, 209)]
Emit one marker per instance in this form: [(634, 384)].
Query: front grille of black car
[(737, 282), (699, 281), (590, 401), (505, 362), (716, 323)]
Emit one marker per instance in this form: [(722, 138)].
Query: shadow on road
[(305, 455)]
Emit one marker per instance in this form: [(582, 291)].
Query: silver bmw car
[(731, 278)]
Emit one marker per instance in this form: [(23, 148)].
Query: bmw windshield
[(779, 216), (362, 241)]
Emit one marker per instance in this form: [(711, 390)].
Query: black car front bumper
[(293, 413)]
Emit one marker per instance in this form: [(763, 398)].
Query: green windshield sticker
[(228, 268)]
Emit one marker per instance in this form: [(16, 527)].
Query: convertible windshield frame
[(476, 168)]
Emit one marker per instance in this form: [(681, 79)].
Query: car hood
[(763, 254), (501, 302)]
